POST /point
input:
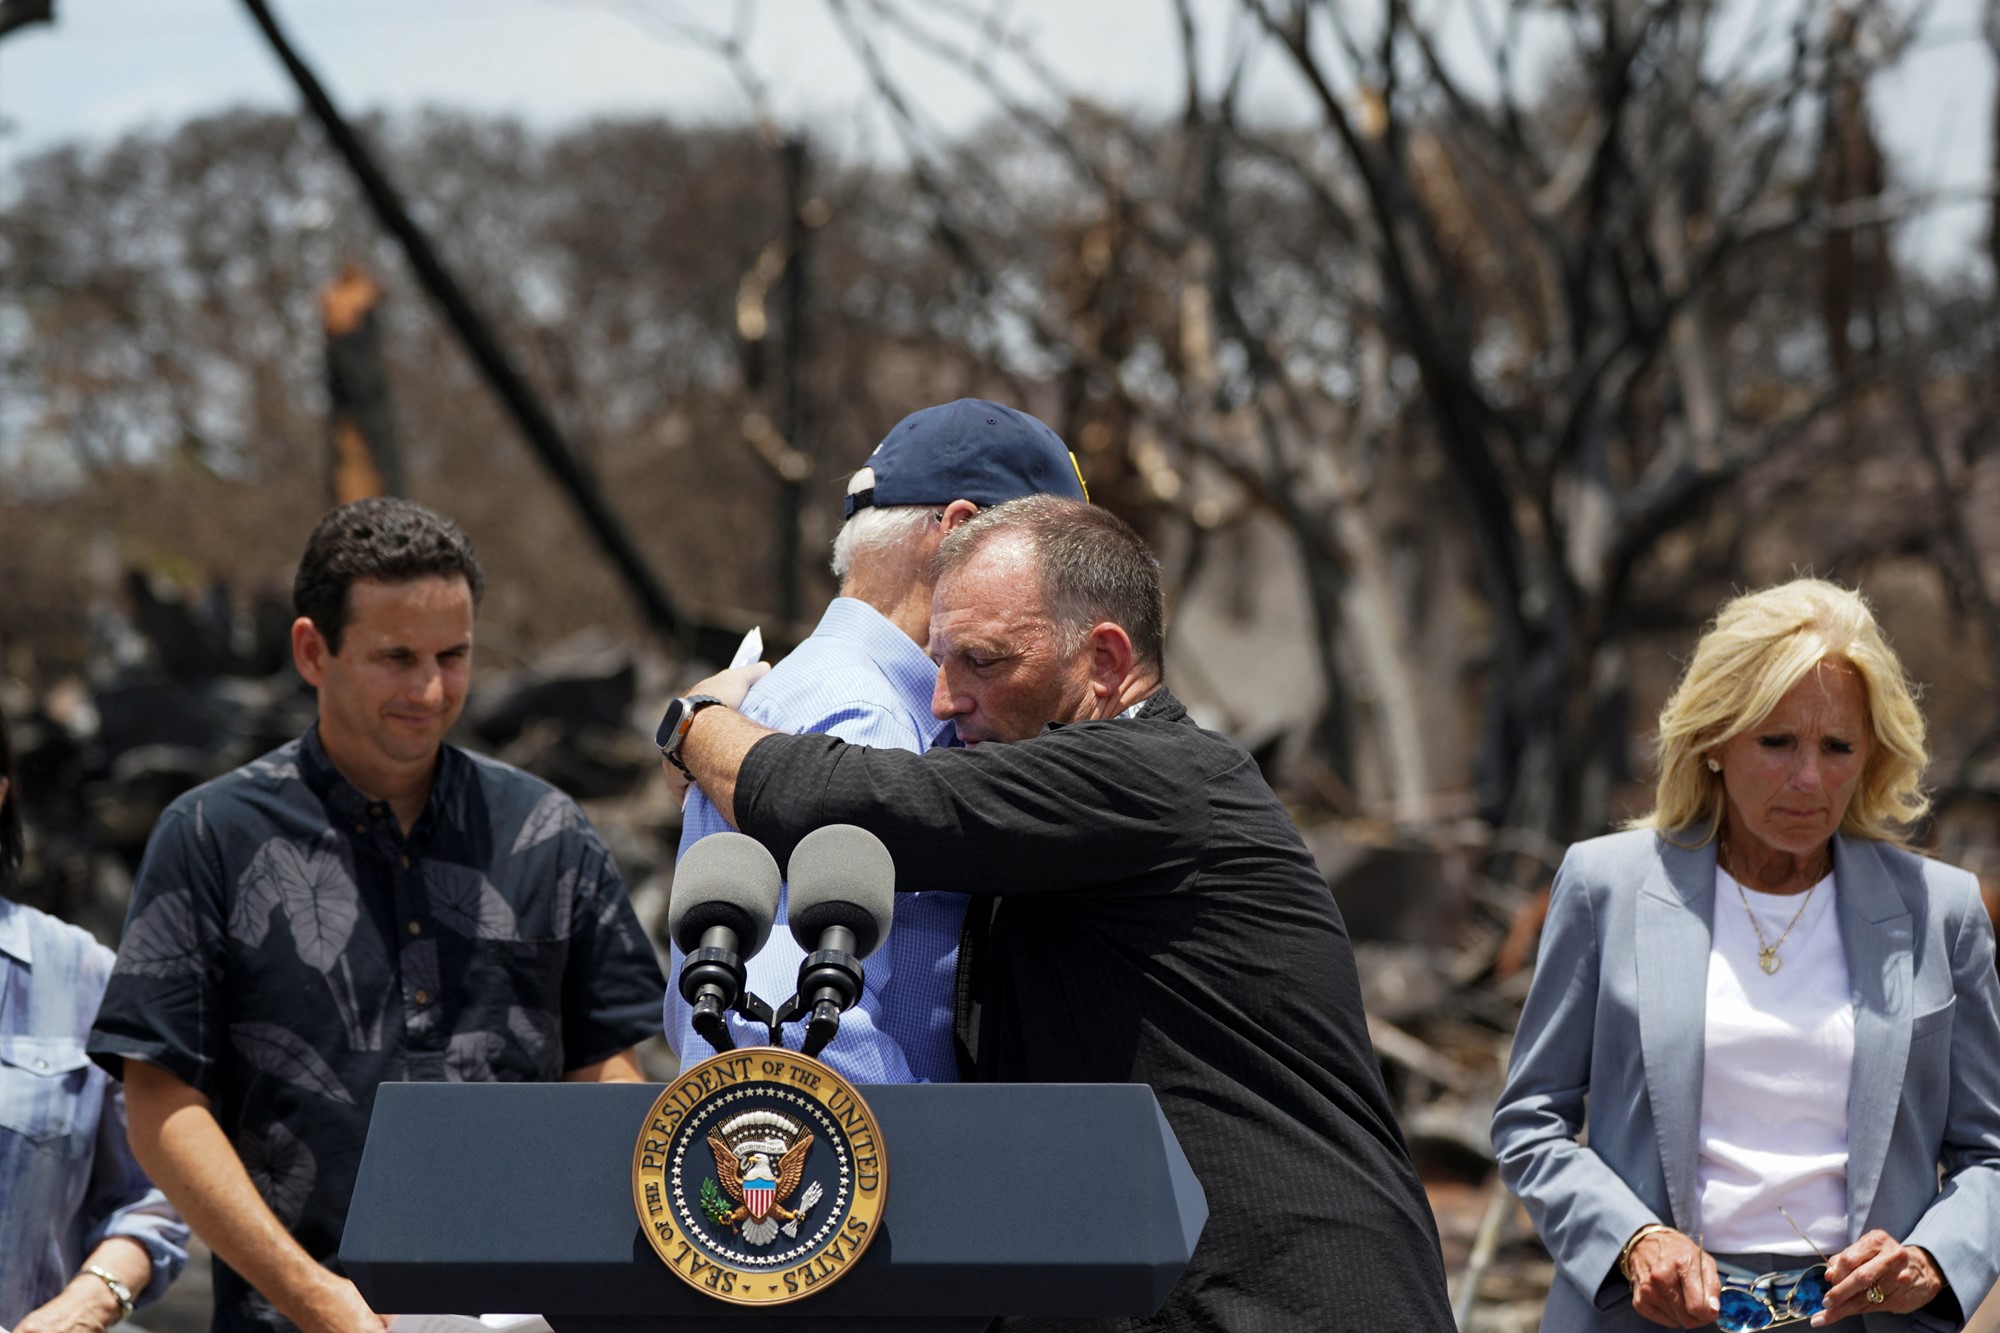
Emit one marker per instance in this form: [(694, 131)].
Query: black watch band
[(674, 727)]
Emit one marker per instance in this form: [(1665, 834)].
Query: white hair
[(876, 528), (873, 529)]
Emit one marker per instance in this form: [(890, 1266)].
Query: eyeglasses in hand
[(1771, 1300), (1752, 1303)]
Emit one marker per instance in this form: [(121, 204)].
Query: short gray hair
[(877, 529), (1094, 568)]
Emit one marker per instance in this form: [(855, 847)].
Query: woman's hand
[(1673, 1281), (86, 1305), (1904, 1276)]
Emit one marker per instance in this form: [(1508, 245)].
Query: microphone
[(843, 897), (724, 898)]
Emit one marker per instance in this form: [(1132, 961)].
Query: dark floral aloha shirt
[(288, 950)]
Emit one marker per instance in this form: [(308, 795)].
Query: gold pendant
[(1767, 958)]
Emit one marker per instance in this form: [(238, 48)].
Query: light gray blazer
[(1615, 1018)]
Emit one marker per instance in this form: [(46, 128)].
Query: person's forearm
[(717, 742), (178, 1141), (88, 1304), (623, 1067), (125, 1259)]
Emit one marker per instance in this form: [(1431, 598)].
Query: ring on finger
[(1875, 1296)]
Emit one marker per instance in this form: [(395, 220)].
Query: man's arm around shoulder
[(177, 1139)]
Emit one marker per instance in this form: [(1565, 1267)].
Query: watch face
[(671, 720)]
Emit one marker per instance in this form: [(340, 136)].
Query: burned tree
[(1482, 346)]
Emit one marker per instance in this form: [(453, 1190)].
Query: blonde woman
[(1784, 1024)]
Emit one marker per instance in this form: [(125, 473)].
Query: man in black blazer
[(1158, 918)]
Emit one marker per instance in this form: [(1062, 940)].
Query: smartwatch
[(674, 727)]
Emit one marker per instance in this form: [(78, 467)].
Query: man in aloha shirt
[(363, 905)]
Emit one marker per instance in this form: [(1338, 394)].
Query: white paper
[(465, 1323), (750, 650)]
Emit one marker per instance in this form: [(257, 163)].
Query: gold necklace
[(1767, 950)]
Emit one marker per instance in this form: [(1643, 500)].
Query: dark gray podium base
[(1004, 1199)]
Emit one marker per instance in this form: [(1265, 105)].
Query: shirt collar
[(346, 802), (14, 932)]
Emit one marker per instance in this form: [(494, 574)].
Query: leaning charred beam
[(711, 642)]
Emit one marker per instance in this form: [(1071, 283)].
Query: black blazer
[(1161, 921)]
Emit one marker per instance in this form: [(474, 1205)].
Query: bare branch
[(731, 47)]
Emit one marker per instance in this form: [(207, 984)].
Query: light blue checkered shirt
[(860, 678)]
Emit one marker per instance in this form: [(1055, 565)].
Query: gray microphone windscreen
[(726, 879), (841, 876)]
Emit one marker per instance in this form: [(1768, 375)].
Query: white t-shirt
[(1778, 1056)]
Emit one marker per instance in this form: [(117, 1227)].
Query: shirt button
[(416, 927), (423, 997), (41, 1064), (406, 863), (360, 828)]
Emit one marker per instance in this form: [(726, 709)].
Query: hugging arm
[(1079, 807)]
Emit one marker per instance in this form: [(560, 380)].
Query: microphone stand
[(709, 976), (829, 983)]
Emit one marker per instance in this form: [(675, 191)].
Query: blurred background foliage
[(1523, 380)]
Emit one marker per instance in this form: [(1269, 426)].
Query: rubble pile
[(1443, 950)]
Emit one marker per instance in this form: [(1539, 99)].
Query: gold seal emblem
[(759, 1176)]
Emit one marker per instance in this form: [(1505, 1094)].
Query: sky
[(107, 67)]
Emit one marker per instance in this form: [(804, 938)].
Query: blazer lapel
[(1676, 907), (1875, 930)]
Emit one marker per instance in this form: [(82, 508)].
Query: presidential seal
[(759, 1176)]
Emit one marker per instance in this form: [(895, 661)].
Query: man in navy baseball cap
[(865, 675), (970, 449)]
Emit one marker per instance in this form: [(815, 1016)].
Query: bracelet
[(118, 1289), (1625, 1255)]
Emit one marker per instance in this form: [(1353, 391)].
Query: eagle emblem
[(760, 1157), (799, 1185)]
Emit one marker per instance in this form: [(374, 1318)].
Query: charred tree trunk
[(360, 430), (19, 13), (793, 413), (712, 642)]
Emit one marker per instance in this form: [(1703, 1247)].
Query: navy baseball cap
[(968, 450)]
